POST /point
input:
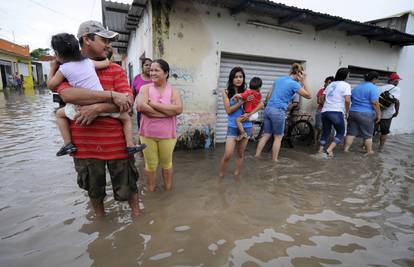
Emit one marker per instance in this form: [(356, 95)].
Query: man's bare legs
[(383, 138), (133, 202)]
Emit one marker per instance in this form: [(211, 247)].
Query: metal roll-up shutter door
[(356, 78), (267, 70)]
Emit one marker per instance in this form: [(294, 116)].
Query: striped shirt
[(103, 138)]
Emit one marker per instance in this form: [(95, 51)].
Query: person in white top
[(336, 101), (390, 106)]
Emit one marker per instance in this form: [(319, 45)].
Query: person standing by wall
[(159, 104), (236, 84), (275, 114), (319, 102), (100, 140), (390, 112), (140, 80), (337, 99), (364, 112)]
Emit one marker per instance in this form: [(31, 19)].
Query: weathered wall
[(140, 42), (192, 36), (404, 123)]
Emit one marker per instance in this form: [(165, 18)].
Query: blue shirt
[(283, 90), (363, 96), (237, 113)]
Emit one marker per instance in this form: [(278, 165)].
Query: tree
[(38, 52)]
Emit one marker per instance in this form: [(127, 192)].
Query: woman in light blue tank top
[(235, 85), (274, 118)]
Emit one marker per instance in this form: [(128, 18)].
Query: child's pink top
[(159, 127)]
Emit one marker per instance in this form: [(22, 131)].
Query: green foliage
[(38, 52)]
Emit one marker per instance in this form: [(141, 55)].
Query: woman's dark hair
[(255, 83), (66, 46), (329, 78), (145, 59), (231, 91), (341, 74), (370, 76), (164, 66)]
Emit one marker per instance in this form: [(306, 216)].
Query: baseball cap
[(97, 28), (395, 76)]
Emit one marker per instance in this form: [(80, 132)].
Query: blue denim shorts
[(274, 121), (234, 131), (361, 124)]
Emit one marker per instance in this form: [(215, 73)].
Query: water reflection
[(349, 211)]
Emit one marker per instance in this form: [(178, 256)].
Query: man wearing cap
[(100, 140), (392, 111)]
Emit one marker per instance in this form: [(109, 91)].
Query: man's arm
[(397, 108), (82, 97)]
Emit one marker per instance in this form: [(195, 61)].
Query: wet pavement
[(352, 210)]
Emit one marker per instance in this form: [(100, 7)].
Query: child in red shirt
[(249, 105)]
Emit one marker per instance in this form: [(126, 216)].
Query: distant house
[(42, 69), (14, 58), (203, 40)]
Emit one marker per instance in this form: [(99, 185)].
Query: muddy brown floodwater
[(348, 211)]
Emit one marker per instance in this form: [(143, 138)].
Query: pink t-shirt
[(159, 127), (139, 82)]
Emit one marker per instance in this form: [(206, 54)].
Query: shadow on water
[(304, 211)]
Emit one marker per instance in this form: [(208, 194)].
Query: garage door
[(267, 69), (356, 76)]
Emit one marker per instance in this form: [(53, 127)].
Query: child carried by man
[(80, 72)]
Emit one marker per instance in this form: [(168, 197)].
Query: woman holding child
[(234, 108), (278, 98)]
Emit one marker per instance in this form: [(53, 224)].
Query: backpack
[(386, 99)]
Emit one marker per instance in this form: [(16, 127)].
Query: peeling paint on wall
[(161, 25), (195, 131)]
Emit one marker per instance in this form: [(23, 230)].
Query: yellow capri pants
[(158, 151)]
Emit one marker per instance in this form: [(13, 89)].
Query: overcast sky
[(33, 22)]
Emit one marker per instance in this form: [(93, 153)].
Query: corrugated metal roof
[(114, 18), (285, 14), (282, 14)]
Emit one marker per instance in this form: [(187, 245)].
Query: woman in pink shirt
[(159, 105)]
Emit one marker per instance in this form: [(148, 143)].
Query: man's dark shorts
[(92, 177), (385, 125)]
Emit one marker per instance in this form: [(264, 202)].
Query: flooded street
[(304, 211)]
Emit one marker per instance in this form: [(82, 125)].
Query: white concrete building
[(403, 22), (203, 40)]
